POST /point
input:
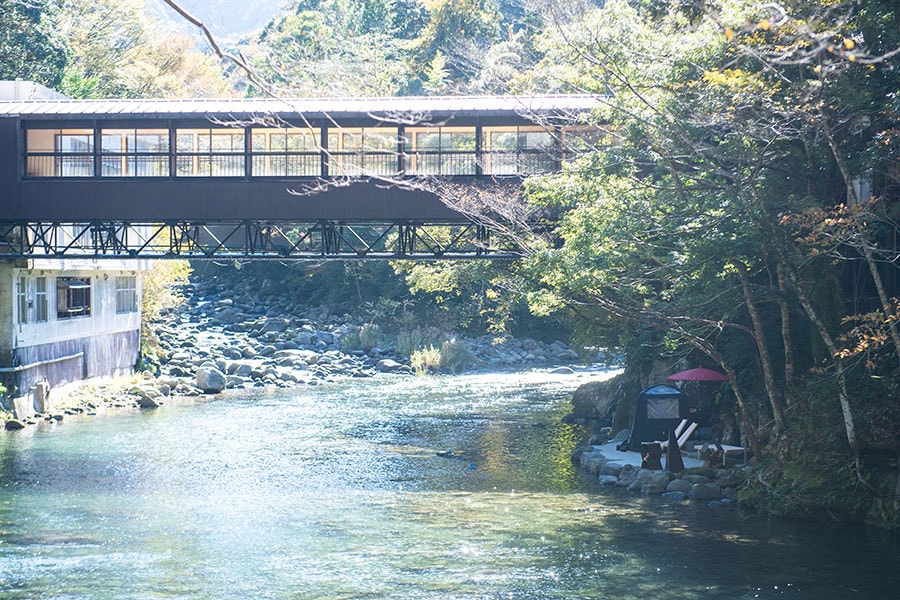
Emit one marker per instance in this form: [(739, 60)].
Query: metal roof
[(309, 107)]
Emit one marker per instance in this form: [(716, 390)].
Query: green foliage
[(364, 337), (436, 75), (31, 48), (331, 48), (455, 357), (813, 473), (418, 338), (117, 50)]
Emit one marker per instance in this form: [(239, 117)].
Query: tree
[(118, 51), (30, 46), (680, 224)]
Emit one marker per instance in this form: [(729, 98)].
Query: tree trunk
[(843, 396), (762, 347), (862, 243), (786, 332), (711, 352)]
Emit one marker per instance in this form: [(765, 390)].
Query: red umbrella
[(698, 374)]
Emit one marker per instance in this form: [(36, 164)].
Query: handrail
[(40, 363)]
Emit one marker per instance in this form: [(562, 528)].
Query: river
[(339, 492)]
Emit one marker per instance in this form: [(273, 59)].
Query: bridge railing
[(299, 152)]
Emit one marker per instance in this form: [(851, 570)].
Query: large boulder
[(656, 482), (679, 486), (705, 491), (147, 397), (593, 399), (210, 379), (386, 365)]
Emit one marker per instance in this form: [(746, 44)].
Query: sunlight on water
[(400, 488)]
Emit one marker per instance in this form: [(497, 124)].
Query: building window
[(41, 312), (286, 153), (60, 153), (73, 297), (126, 294), (209, 152), (441, 151), (362, 151), (22, 299), (134, 152)]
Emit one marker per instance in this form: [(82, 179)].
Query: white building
[(64, 319)]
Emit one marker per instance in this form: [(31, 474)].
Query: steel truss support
[(250, 239)]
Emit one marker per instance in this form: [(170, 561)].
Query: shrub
[(364, 337), (454, 356), (425, 360), (419, 338)]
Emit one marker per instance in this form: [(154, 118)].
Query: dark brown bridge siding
[(201, 199), (215, 199), (10, 201)]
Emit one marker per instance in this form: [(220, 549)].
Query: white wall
[(102, 320)]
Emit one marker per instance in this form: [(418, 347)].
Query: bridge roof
[(472, 106)]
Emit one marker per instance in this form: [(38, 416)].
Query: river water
[(339, 492)]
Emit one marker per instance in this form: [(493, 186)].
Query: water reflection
[(339, 492)]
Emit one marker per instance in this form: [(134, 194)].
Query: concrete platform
[(634, 458)]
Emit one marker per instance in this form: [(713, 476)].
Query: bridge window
[(518, 150), (59, 153), (441, 151), (73, 297), (362, 151), (286, 153), (209, 152), (134, 153)]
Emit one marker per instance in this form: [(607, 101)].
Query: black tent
[(659, 409)]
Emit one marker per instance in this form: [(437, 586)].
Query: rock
[(679, 485), (705, 491), (233, 353), (147, 398), (229, 316), (210, 379), (14, 425), (583, 398), (578, 451), (656, 482), (593, 461), (608, 480), (635, 486), (386, 365), (696, 478), (710, 474), (611, 468), (275, 325), (732, 478), (562, 371)]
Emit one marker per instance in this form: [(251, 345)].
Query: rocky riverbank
[(218, 341), (716, 486), (229, 339)]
